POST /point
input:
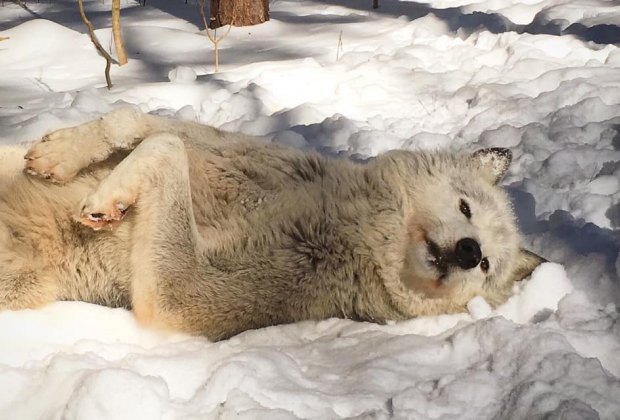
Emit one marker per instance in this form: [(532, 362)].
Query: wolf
[(214, 233)]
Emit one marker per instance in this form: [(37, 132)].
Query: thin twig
[(91, 30), (213, 37), (339, 47)]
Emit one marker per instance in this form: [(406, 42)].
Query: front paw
[(54, 158)]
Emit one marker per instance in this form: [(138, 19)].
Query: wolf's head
[(462, 238)]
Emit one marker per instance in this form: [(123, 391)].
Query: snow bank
[(101, 365)]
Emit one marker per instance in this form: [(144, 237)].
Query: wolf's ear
[(526, 264), (493, 163)]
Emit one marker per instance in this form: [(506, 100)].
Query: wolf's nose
[(467, 253)]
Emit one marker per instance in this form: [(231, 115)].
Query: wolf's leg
[(154, 179), (60, 155)]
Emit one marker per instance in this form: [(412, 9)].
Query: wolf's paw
[(60, 155), (102, 210), (55, 157)]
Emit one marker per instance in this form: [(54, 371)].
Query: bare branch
[(91, 30), (213, 36)]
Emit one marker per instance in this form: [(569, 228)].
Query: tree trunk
[(238, 12), (117, 33)]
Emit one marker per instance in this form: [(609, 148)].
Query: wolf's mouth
[(437, 259)]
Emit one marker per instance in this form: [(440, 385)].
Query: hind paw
[(104, 214)]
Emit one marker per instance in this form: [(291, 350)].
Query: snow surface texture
[(461, 74)]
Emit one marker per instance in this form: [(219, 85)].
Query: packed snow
[(540, 77)]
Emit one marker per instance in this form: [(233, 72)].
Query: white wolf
[(215, 233)]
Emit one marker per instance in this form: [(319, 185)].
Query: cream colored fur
[(215, 233)]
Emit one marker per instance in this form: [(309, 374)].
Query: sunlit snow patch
[(532, 300), (542, 293)]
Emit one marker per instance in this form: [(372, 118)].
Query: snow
[(459, 74)]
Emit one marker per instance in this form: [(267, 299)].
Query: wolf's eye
[(484, 264), (464, 208)]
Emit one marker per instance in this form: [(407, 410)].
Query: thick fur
[(215, 233)]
